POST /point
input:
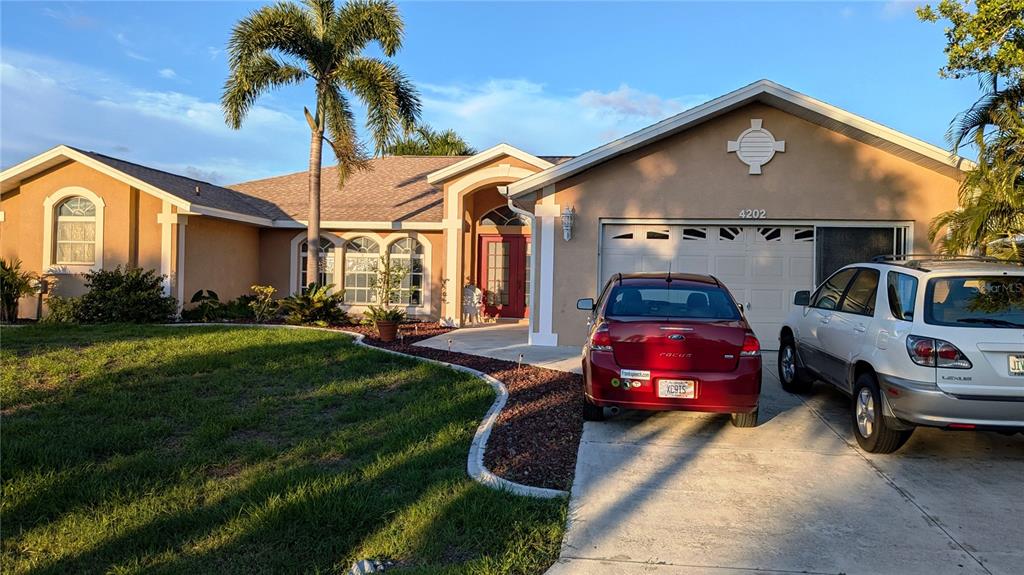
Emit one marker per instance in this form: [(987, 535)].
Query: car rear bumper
[(737, 391), (923, 403)]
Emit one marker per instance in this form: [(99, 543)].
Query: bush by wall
[(125, 295)]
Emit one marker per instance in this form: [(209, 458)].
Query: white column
[(547, 213), (166, 220), (452, 223)]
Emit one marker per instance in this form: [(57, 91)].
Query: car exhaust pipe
[(614, 410)]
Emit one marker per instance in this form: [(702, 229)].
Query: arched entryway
[(503, 262)]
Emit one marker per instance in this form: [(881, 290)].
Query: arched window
[(361, 258), (502, 216), (326, 272), (75, 242), (408, 253)]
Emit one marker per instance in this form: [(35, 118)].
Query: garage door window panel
[(831, 292), (860, 297)]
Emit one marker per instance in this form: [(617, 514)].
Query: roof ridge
[(90, 152)]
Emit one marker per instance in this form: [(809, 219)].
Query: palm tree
[(986, 112), (990, 216), (288, 43), (425, 141)]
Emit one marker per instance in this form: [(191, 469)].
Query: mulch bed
[(537, 434)]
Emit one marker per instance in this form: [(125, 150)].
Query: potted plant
[(386, 320), (386, 284)]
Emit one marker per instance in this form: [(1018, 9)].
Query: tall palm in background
[(987, 112), (288, 43), (990, 216), (426, 141)]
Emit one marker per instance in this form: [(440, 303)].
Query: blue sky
[(142, 80)]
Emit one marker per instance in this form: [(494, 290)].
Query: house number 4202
[(753, 214)]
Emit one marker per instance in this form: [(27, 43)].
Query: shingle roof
[(210, 195), (393, 188)]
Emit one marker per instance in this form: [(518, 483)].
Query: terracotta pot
[(387, 330)]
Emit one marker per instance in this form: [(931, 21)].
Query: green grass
[(228, 449)]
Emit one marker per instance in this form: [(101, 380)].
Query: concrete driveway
[(684, 493)]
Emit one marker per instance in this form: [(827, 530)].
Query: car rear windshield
[(976, 301), (672, 300)]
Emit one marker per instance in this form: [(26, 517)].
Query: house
[(766, 188)]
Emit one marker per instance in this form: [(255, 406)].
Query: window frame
[(358, 255), (409, 257), (874, 294), (303, 256), (51, 204), (839, 302), (913, 299)]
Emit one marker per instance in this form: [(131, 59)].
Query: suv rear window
[(976, 301), (673, 300)]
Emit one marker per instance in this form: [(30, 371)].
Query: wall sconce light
[(568, 216)]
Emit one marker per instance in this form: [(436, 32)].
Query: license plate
[(1017, 365), (679, 388), (634, 374)]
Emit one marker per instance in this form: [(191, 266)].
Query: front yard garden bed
[(537, 435), (231, 449)]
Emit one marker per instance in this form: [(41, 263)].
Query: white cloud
[(525, 114), (898, 8), (48, 102), (847, 12), (213, 52), (168, 73)]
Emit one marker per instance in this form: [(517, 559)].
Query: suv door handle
[(824, 319), (860, 328)]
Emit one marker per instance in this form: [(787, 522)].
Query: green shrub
[(125, 295), (62, 309), (384, 313), (207, 307), (239, 308), (262, 304), (14, 284), (316, 306)]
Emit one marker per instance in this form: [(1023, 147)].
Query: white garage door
[(762, 265)]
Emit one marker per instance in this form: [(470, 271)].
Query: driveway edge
[(475, 464)]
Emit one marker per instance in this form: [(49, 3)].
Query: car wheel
[(745, 419), (592, 412), (869, 425), (793, 377)]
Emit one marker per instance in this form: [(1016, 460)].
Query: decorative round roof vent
[(756, 147)]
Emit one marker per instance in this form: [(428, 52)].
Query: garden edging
[(475, 464)]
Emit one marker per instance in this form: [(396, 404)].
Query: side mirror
[(585, 304), (802, 297)]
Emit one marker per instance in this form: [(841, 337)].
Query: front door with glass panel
[(504, 275)]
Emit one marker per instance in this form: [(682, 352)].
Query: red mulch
[(537, 434)]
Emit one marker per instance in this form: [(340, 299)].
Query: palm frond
[(341, 133), (392, 102), (361, 22), (282, 27), (251, 78)]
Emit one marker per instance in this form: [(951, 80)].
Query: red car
[(670, 342)]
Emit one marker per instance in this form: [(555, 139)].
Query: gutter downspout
[(503, 190)]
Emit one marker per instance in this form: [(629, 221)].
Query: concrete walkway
[(507, 341), (686, 493)]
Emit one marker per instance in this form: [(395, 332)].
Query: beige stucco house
[(766, 188)]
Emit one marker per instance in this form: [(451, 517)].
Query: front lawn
[(234, 449)]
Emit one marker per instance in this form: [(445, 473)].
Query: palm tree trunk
[(313, 262)]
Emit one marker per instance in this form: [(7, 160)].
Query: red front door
[(504, 273)]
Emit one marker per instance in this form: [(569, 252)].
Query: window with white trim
[(362, 256), (502, 216), (75, 238), (408, 253), (325, 275)]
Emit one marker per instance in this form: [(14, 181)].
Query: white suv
[(940, 344)]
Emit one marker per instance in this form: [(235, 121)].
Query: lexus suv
[(670, 342), (916, 341)]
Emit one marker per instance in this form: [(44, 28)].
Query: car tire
[(869, 424), (592, 412), (794, 378), (745, 419)]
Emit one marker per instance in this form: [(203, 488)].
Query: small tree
[(14, 284), (388, 281)]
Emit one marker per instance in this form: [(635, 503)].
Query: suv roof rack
[(915, 260)]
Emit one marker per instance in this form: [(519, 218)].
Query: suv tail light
[(931, 352), (751, 346), (602, 339)]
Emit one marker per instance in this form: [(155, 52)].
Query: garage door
[(761, 265)]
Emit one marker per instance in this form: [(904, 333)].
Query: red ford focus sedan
[(670, 342)]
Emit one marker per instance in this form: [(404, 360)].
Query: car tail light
[(750, 346), (931, 352), (602, 339)]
